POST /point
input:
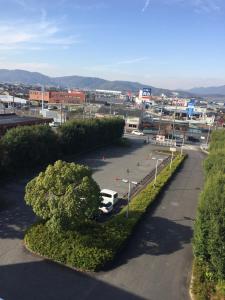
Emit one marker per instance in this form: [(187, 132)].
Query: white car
[(106, 208), (137, 132), (54, 124)]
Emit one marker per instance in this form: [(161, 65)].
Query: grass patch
[(204, 285), (93, 245)]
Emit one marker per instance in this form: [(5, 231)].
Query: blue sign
[(146, 92), (191, 107)]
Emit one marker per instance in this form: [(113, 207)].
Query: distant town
[(167, 117)]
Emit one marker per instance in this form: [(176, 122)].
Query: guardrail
[(148, 178), (166, 143)]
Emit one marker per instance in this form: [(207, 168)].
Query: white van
[(109, 199), (109, 196)]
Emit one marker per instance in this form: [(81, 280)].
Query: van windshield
[(106, 195)]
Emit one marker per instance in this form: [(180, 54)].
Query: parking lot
[(112, 164)]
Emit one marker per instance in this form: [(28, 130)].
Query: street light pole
[(171, 160), (156, 167), (128, 199), (129, 191)]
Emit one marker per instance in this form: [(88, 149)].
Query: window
[(106, 195)]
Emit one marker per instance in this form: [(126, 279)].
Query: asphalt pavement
[(155, 264)]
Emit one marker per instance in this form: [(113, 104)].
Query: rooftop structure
[(8, 121)]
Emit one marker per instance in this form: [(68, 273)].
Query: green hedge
[(209, 231), (77, 136), (28, 146), (32, 146), (96, 244)]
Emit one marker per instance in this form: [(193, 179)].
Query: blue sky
[(164, 43)]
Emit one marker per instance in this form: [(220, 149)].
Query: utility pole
[(61, 113), (42, 99), (174, 118), (181, 149), (160, 120), (13, 103), (208, 135)]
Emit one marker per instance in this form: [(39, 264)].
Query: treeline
[(32, 146), (209, 234)]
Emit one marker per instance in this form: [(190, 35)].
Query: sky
[(164, 43)]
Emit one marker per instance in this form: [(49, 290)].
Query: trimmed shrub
[(94, 244), (64, 194), (32, 146), (28, 146), (81, 135), (209, 231)]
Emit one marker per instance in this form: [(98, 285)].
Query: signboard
[(191, 107), (146, 92), (160, 138), (172, 149), (179, 102)]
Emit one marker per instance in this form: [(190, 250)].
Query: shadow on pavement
[(154, 236), (46, 281), (15, 216)]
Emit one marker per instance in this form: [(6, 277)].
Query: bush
[(32, 146), (209, 231), (93, 245), (81, 135), (28, 146)]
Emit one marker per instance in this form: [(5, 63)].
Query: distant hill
[(81, 82), (219, 90)]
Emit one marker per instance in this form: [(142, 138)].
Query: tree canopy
[(65, 193)]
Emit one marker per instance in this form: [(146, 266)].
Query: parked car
[(137, 132), (109, 200), (54, 124), (193, 139), (52, 107), (106, 208)]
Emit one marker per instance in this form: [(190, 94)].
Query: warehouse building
[(53, 97)]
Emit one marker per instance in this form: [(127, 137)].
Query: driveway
[(155, 264)]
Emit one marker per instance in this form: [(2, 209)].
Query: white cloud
[(200, 6), (116, 64), (33, 35), (29, 66), (146, 5)]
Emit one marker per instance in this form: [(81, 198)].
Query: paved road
[(155, 265)]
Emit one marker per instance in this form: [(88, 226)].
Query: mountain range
[(81, 82), (219, 90), (92, 83)]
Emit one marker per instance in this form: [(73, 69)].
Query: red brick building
[(73, 97)]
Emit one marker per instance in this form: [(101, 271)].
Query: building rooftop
[(10, 119)]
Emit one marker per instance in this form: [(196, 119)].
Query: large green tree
[(64, 194)]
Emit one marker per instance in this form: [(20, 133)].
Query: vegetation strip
[(27, 147), (90, 245), (209, 233)]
